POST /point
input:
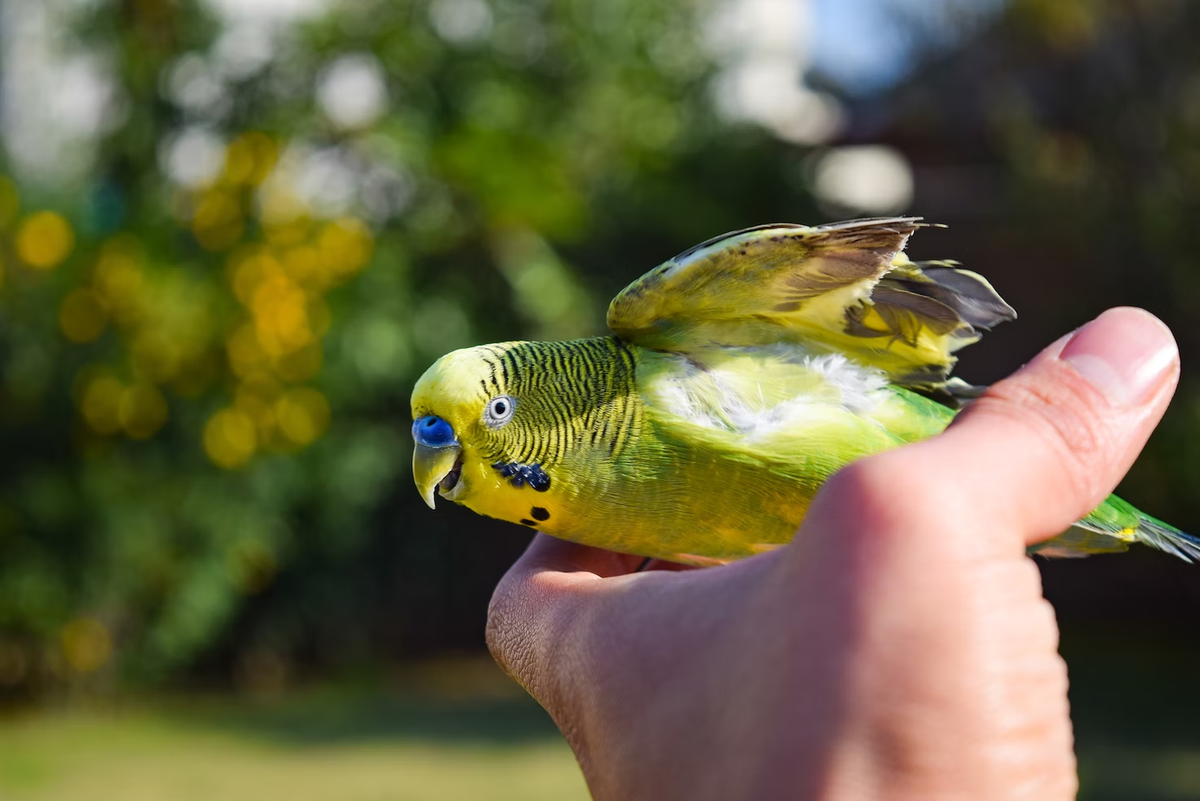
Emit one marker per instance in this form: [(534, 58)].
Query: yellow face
[(476, 433)]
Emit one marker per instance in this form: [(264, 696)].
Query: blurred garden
[(233, 234)]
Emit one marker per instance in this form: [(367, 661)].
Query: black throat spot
[(521, 474)]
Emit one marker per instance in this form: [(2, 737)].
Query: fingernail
[(1124, 353)]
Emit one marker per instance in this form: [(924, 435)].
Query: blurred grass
[(483, 742), (459, 729)]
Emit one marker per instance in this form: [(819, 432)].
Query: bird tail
[(1112, 526), (1164, 537)]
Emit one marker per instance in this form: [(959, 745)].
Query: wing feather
[(845, 288)]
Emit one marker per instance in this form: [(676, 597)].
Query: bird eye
[(499, 410)]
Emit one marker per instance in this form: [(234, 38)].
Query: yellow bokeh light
[(118, 279), (82, 316), (142, 411), (284, 215), (248, 268), (345, 247), (154, 356), (230, 439), (319, 317), (261, 387), (100, 403), (281, 313), (246, 354), (217, 222), (239, 163), (118, 276), (44, 240), (250, 158), (303, 415), (255, 399), (301, 364), (303, 265), (86, 645), (123, 244), (288, 226)]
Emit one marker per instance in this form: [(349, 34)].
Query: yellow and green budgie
[(740, 375)]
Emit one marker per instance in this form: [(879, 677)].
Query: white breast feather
[(860, 386), (708, 398)]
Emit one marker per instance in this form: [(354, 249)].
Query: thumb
[(1044, 447)]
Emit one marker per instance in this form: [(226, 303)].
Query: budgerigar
[(739, 376)]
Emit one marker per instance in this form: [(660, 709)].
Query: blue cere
[(433, 432)]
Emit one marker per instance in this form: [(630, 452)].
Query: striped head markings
[(528, 406)]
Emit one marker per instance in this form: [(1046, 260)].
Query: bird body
[(741, 375)]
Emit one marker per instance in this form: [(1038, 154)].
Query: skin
[(886, 652)]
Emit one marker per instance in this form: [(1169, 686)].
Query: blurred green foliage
[(1104, 156), (1077, 124), (207, 341), (204, 376)]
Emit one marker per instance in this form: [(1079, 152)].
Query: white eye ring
[(499, 410)]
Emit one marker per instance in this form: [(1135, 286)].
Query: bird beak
[(432, 466)]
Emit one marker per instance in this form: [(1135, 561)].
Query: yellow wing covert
[(845, 287)]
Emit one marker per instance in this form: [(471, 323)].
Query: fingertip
[(1045, 446), (1126, 354)]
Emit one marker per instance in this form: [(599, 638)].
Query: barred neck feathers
[(570, 395)]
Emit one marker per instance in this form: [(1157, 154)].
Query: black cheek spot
[(539, 513), (529, 523)]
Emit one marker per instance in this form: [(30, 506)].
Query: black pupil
[(500, 408)]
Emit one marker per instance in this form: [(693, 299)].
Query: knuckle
[(885, 489), (1064, 418), (853, 487)]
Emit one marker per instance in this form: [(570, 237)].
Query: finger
[(546, 553), (1044, 447), (535, 603)]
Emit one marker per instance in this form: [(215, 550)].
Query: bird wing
[(778, 405), (841, 288)]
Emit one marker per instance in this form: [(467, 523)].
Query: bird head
[(464, 415)]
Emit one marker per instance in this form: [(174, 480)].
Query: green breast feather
[(741, 374)]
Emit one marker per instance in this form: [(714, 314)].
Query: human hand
[(899, 647)]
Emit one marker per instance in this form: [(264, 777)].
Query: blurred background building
[(234, 232)]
